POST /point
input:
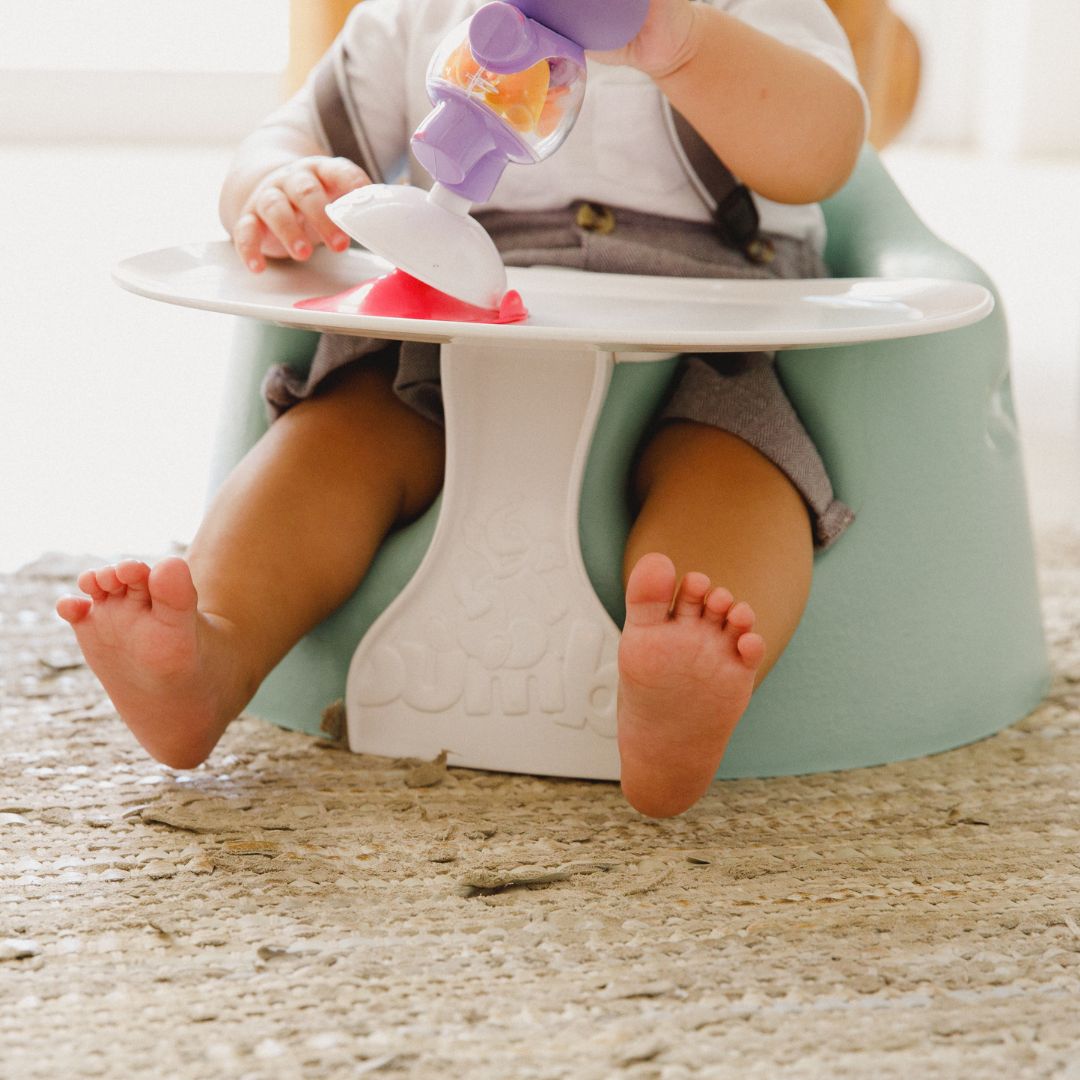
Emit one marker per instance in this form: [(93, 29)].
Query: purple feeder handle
[(594, 24), (504, 40)]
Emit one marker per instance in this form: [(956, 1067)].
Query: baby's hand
[(285, 215), (666, 40)]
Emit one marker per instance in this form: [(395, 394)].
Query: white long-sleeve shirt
[(619, 152)]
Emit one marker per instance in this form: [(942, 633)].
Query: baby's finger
[(307, 194), (248, 235), (340, 175), (273, 206)]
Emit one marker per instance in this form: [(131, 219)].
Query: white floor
[(109, 402)]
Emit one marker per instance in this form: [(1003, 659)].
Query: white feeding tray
[(615, 312)]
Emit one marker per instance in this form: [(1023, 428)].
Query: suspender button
[(760, 250), (594, 218)]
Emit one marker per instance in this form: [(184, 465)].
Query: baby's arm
[(786, 123), (273, 201)]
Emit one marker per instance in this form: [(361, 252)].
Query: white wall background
[(193, 70), (1000, 76), (144, 35)]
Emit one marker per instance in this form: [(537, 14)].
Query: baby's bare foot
[(166, 666), (686, 673)]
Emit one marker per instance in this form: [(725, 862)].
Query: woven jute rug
[(291, 910)]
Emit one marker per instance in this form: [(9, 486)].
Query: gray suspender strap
[(342, 130), (730, 203)]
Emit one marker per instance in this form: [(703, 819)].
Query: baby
[(730, 493)]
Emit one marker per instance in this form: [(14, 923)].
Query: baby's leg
[(725, 525), (182, 648)]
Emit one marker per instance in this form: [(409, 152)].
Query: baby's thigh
[(358, 424)]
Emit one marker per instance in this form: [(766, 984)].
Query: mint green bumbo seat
[(923, 629)]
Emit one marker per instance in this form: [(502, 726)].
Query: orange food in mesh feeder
[(520, 98)]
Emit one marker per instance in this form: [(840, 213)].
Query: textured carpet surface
[(290, 910)]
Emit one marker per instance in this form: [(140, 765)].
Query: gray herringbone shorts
[(737, 392)]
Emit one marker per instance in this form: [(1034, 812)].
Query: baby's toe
[(690, 598), (88, 582), (751, 648), (135, 575), (109, 582), (171, 586), (740, 620), (649, 590), (132, 573), (73, 609), (717, 605), (741, 617)]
